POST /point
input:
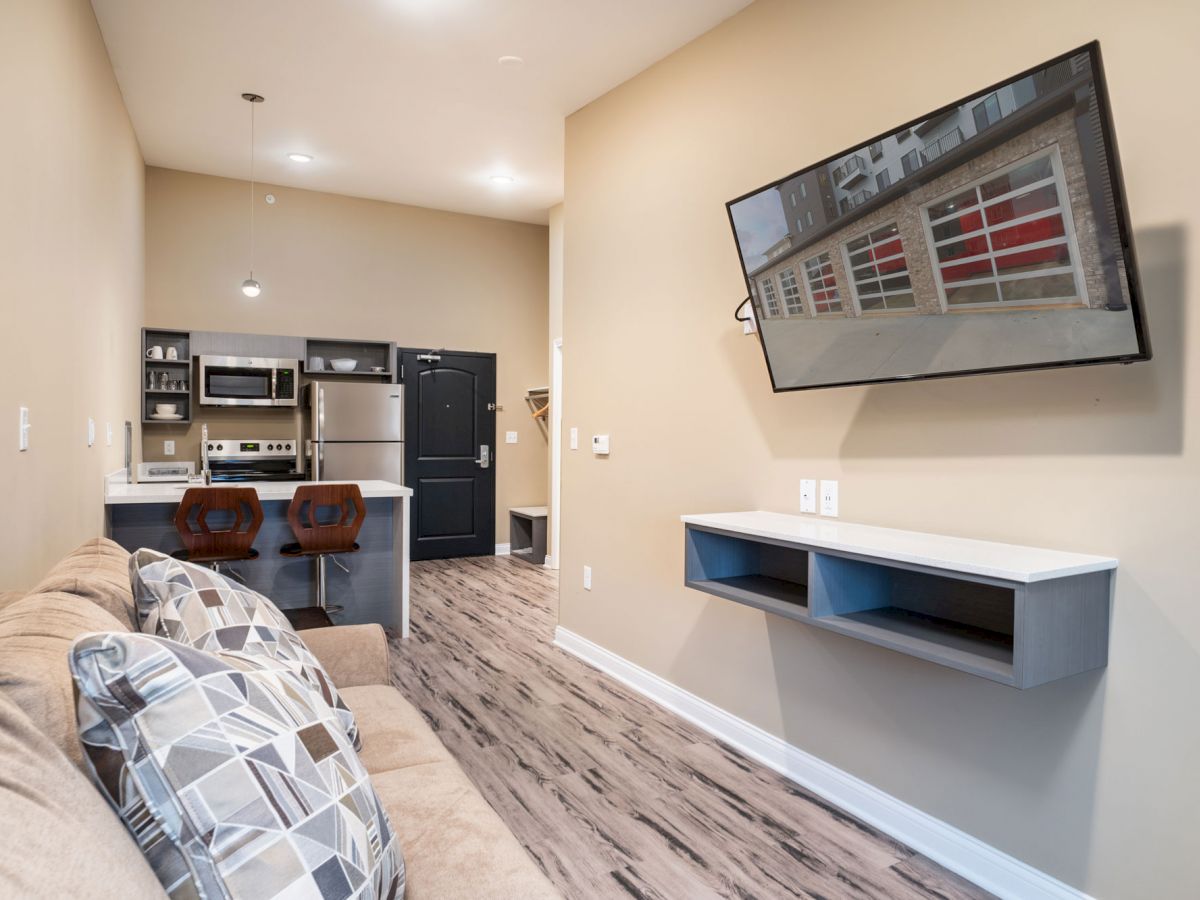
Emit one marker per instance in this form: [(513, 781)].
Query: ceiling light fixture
[(300, 157), (250, 287), (511, 62), (502, 179)]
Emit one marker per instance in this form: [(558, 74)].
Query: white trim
[(503, 549), (556, 414), (984, 865)]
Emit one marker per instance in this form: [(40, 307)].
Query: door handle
[(484, 457)]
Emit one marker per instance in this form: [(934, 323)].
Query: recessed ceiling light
[(503, 179), (299, 157), (511, 62)]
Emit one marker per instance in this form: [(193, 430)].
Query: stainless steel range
[(238, 459)]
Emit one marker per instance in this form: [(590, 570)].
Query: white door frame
[(556, 381)]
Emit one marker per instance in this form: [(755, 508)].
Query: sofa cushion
[(455, 846), (237, 778), (98, 570), (60, 838), (36, 634), (202, 608), (394, 733)]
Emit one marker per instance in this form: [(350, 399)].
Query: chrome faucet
[(205, 472)]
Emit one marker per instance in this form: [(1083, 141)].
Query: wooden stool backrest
[(331, 537), (202, 542)]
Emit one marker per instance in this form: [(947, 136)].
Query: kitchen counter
[(374, 590), (118, 492)]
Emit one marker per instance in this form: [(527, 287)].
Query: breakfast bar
[(374, 590)]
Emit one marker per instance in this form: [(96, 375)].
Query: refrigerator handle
[(318, 414)]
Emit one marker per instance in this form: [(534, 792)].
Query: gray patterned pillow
[(196, 606), (235, 778)]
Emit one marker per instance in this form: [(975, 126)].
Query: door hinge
[(492, 407)]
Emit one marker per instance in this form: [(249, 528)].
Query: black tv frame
[(1116, 180)]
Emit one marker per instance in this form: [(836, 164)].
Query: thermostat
[(600, 444)]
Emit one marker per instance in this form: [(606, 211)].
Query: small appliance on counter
[(148, 472), (238, 459)]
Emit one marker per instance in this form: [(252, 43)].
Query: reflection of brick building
[(1005, 219)]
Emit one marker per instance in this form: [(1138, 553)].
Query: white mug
[(172, 353), (155, 352)]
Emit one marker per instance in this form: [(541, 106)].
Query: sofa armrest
[(353, 655)]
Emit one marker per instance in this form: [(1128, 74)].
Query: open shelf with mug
[(166, 376), (329, 358)]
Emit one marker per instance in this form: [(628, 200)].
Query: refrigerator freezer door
[(358, 412), (360, 462)]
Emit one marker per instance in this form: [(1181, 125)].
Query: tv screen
[(990, 235)]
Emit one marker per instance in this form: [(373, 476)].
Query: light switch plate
[(574, 438), (510, 437), (808, 495), (600, 444), (91, 431), (23, 429), (829, 498), (168, 448), (108, 433), (587, 578)]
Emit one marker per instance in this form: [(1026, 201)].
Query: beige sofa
[(61, 838)]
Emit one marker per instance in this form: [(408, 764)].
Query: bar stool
[(211, 547), (325, 540)]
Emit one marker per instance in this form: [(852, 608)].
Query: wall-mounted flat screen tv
[(990, 235)]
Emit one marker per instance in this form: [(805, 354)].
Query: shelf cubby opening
[(959, 622), (760, 574)]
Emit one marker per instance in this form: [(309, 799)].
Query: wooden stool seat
[(204, 544), (297, 550)]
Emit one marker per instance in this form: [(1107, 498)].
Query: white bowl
[(343, 365), (165, 409)]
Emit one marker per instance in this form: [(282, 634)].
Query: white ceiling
[(399, 100)]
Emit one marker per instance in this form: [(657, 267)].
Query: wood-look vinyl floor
[(612, 795)]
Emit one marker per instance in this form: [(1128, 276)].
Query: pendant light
[(250, 287)]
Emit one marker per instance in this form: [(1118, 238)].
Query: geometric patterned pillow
[(234, 777), (196, 606)]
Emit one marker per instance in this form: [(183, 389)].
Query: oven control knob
[(288, 448), (210, 446), (220, 446), (270, 446)]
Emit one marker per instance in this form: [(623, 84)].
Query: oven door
[(247, 381)]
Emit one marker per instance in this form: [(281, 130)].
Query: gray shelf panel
[(973, 650), (773, 595)]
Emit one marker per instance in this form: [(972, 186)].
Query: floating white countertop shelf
[(1018, 615)]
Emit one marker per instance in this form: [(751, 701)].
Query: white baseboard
[(503, 549), (980, 863)]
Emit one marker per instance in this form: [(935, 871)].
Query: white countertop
[(1010, 562), (118, 492)]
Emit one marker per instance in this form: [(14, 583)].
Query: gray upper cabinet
[(226, 343)]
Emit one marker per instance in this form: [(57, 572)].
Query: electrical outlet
[(574, 438), (808, 495), (108, 433), (23, 429), (600, 444), (829, 498), (587, 578), (168, 448), (510, 437)]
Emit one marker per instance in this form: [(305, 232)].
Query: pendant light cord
[(252, 105)]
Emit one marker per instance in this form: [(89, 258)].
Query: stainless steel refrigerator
[(355, 431)]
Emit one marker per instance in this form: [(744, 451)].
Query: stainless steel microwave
[(248, 381)]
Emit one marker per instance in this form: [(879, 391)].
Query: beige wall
[(344, 267), (71, 183), (1092, 779)]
